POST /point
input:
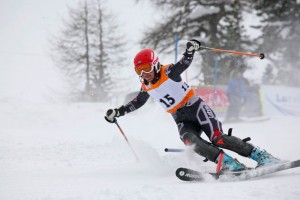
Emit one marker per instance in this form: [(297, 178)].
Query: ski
[(186, 174)]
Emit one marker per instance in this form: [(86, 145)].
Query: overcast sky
[(26, 24), (25, 27)]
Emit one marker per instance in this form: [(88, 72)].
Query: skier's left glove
[(191, 47), (111, 114)]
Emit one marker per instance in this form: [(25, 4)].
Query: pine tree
[(215, 23), (280, 37)]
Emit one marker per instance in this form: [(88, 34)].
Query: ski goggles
[(144, 68)]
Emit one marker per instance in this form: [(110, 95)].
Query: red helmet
[(145, 61)]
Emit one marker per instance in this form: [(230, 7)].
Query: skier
[(191, 114)]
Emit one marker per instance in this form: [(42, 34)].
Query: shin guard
[(234, 144), (202, 147)]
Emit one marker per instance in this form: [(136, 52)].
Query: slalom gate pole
[(173, 150), (261, 56), (122, 132)]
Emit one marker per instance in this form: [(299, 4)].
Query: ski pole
[(261, 56), (122, 132), (173, 150)]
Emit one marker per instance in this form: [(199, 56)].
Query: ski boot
[(227, 163), (262, 157)]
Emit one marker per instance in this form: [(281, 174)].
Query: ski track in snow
[(69, 152)]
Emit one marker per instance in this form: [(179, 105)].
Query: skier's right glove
[(111, 114), (191, 47)]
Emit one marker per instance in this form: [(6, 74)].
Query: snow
[(67, 151), (54, 150)]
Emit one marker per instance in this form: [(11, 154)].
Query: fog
[(51, 148)]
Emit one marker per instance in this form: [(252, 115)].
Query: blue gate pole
[(216, 66), (176, 47)]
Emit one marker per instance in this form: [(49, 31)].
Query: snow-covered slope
[(69, 152)]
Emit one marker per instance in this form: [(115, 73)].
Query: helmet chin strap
[(156, 76), (157, 67)]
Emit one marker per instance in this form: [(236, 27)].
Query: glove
[(111, 114), (191, 47)]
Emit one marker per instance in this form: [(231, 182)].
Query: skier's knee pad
[(201, 146), (234, 144)]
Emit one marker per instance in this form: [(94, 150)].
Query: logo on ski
[(188, 174), (182, 173)]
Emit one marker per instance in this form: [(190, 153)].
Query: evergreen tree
[(280, 37), (215, 23)]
